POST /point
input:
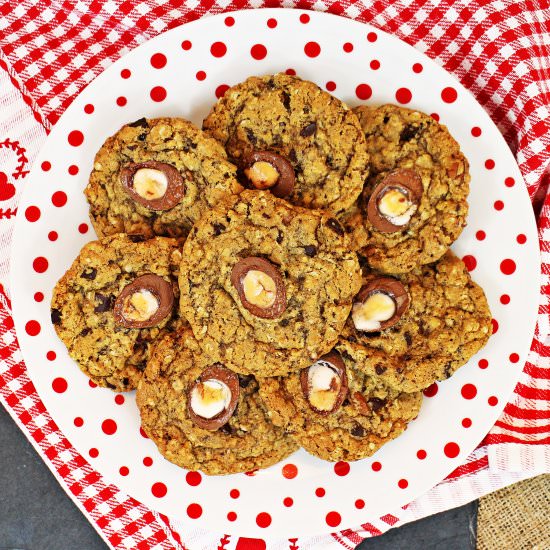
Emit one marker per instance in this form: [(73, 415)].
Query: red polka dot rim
[(362, 66)]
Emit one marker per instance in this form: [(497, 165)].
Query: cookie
[(414, 204), (203, 416), (157, 177), (336, 411), (413, 329), (313, 131), (266, 286), (117, 298)]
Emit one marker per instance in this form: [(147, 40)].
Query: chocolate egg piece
[(325, 383), (268, 170), (260, 287), (395, 200), (379, 304), (212, 399), (154, 185), (144, 302)]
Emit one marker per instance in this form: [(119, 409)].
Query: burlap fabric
[(516, 517)]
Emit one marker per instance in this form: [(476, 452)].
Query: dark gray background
[(36, 514)]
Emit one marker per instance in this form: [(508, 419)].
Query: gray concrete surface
[(36, 514)]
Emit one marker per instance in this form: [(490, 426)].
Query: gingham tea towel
[(500, 50)]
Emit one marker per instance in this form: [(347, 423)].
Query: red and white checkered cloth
[(499, 49)]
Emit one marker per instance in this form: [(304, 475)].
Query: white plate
[(179, 74)]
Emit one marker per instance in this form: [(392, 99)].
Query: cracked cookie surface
[(448, 321), (294, 118), (201, 161), (371, 415), (248, 441), (83, 300), (320, 276), (400, 138)]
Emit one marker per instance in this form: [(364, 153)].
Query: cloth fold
[(500, 50)]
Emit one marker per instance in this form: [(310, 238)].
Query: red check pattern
[(500, 50)]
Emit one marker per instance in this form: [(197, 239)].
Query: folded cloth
[(498, 49)]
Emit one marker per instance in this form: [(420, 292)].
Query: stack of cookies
[(281, 278)]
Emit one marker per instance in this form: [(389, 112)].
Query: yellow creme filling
[(259, 288)]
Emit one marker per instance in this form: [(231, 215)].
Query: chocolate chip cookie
[(413, 206), (157, 177), (117, 298), (413, 329), (266, 286), (336, 411), (294, 122), (203, 416)]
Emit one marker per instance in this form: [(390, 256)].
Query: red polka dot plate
[(181, 73)]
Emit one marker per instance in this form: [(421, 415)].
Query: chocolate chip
[(376, 404), (292, 156), (309, 129), (219, 228), (105, 303), (386, 119), (286, 100), (56, 316), (136, 237), (310, 250), (227, 429), (89, 273), (408, 132), (139, 123), (448, 369), (142, 137), (408, 338), (125, 382), (280, 236), (357, 431), (373, 334), (335, 225), (85, 331), (141, 366), (251, 137), (346, 402), (380, 370), (285, 322), (244, 380)]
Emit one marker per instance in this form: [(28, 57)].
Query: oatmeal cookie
[(203, 416), (336, 411), (157, 177), (413, 205), (315, 132), (115, 300), (266, 286), (413, 329)]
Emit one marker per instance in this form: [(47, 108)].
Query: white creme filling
[(324, 385), (140, 305), (259, 288), (150, 183), (210, 398), (370, 314), (396, 207)]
